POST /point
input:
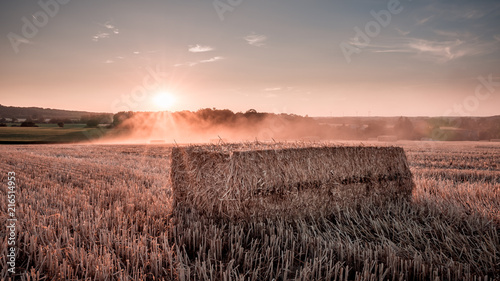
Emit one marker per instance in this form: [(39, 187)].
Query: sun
[(163, 100)]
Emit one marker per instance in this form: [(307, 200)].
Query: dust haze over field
[(207, 124)]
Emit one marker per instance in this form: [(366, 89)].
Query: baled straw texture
[(238, 181)]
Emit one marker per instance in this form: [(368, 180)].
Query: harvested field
[(105, 213), (285, 180)]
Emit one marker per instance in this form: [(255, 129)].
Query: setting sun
[(163, 100)]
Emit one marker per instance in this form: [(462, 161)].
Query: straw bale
[(255, 180)]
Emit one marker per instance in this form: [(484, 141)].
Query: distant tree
[(92, 123), (121, 116), (28, 124), (2, 120), (85, 118), (60, 124), (253, 116), (3, 125), (102, 118), (216, 116)]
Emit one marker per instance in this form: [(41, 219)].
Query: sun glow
[(163, 100)]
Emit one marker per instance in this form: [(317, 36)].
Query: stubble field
[(104, 212)]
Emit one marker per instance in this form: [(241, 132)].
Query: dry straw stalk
[(255, 180)]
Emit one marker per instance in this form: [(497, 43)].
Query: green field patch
[(13, 135)]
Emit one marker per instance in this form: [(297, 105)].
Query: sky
[(307, 57)]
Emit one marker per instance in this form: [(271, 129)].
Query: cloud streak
[(111, 29), (199, 48), (100, 36), (424, 20), (211, 59), (272, 89), (443, 51), (449, 47), (256, 40), (193, 63)]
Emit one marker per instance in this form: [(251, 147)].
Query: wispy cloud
[(424, 20), (445, 33), (186, 64), (443, 46), (401, 32), (469, 14), (256, 39), (443, 51), (271, 92), (211, 59), (193, 63), (440, 51), (111, 29), (393, 51), (448, 10), (100, 35), (272, 89), (199, 48)]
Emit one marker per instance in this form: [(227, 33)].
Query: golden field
[(105, 212)]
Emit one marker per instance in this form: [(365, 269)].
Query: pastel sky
[(315, 57)]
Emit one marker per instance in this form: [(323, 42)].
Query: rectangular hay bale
[(242, 181)]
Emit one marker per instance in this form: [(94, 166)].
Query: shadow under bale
[(255, 180)]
